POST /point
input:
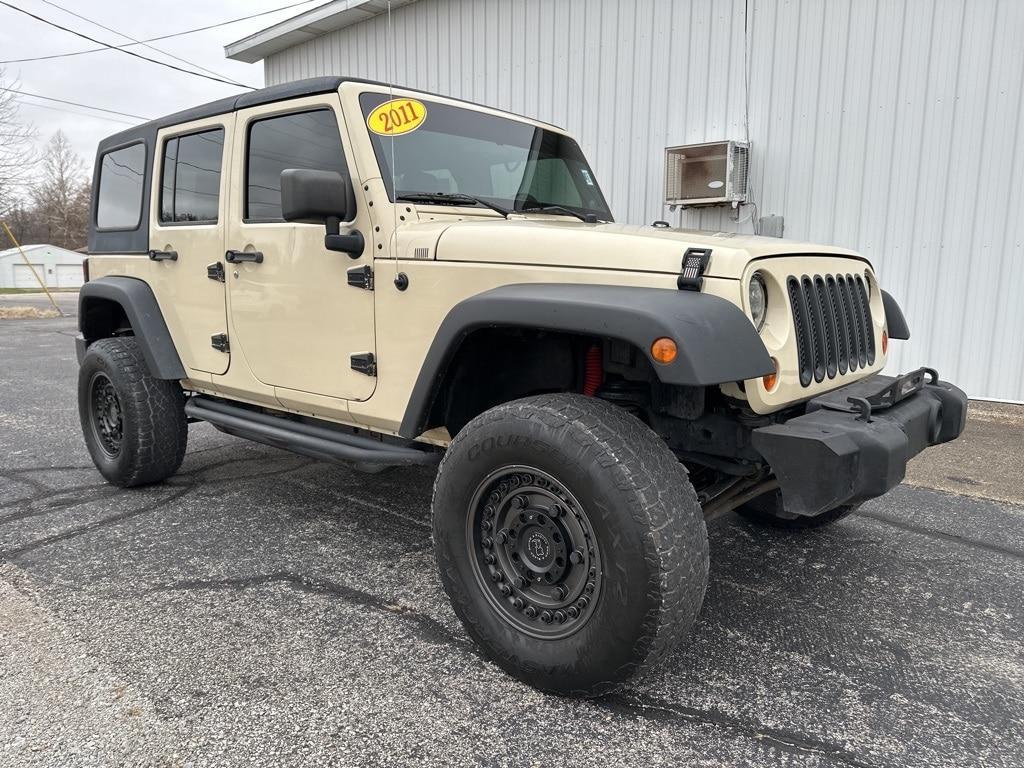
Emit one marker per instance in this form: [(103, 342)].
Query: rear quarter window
[(190, 178), (122, 177)]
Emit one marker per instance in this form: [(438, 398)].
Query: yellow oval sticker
[(398, 116)]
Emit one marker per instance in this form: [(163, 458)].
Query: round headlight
[(757, 299)]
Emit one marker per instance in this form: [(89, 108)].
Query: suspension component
[(593, 374)]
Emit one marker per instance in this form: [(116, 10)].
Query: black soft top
[(137, 240)]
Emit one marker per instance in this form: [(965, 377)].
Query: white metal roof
[(307, 25), (56, 250)]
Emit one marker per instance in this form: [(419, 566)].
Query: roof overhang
[(307, 26)]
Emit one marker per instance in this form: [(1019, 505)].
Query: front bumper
[(854, 443)]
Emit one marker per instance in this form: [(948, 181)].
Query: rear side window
[(303, 140), (190, 178), (119, 202)]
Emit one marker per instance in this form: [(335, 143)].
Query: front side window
[(459, 151), (119, 201), (190, 177), (303, 140)]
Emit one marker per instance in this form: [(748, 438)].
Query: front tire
[(134, 425), (570, 542)]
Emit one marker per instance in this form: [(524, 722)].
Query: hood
[(556, 241)]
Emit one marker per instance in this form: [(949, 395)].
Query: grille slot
[(832, 320)]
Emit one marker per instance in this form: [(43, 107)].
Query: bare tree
[(62, 194), (17, 157)]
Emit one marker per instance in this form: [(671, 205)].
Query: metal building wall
[(886, 126)]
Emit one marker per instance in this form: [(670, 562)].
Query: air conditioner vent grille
[(712, 173)]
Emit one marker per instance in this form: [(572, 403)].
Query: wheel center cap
[(536, 548)]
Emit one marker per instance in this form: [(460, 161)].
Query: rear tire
[(565, 492), (768, 510), (134, 425)]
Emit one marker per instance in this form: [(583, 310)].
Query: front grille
[(832, 320)]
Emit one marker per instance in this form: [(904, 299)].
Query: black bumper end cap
[(828, 458)]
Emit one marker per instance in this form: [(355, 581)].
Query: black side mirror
[(322, 197)]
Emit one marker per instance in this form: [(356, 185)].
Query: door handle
[(234, 257), (163, 255)]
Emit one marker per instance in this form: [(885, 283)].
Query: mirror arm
[(351, 243)]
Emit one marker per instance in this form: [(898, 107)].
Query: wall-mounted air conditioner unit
[(713, 173)]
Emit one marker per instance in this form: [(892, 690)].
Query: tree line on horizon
[(44, 196)]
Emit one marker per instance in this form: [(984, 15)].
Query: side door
[(296, 320), (186, 236)]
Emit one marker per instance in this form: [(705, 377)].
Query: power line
[(156, 39), (73, 103), (152, 48), (122, 50), (74, 112)]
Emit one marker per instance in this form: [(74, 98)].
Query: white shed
[(59, 267)]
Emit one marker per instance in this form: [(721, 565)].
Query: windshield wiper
[(589, 218), (450, 198)]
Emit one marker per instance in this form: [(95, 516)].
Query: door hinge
[(215, 271), (219, 341), (361, 277), (365, 362)]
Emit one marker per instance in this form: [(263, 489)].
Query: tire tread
[(662, 502)]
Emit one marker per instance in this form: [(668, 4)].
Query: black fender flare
[(717, 341), (894, 320), (136, 298)]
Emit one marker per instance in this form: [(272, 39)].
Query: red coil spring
[(594, 371)]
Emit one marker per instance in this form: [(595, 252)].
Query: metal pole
[(38, 278)]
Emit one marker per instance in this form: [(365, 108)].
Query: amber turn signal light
[(885, 342), (770, 380), (664, 350)]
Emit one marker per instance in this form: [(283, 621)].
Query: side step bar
[(318, 441)]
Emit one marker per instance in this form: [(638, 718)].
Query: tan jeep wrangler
[(384, 277)]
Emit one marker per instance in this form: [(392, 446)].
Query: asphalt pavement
[(261, 608)]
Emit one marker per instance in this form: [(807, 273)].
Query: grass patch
[(26, 313)]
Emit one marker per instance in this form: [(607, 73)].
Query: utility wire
[(73, 103), (151, 47), (33, 105), (122, 50), (156, 39)]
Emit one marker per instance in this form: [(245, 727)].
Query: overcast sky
[(114, 80)]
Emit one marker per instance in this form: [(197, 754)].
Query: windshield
[(455, 152)]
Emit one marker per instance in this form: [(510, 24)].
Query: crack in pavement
[(90, 527), (951, 538), (430, 628), (787, 741), (104, 491), (45, 493), (14, 476), (365, 503)]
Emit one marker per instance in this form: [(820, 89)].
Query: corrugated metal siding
[(888, 127)]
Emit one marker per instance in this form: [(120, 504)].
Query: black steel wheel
[(536, 553), (105, 415), (134, 424), (570, 542)]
